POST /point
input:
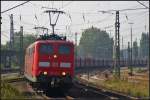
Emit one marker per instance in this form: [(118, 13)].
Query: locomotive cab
[(55, 62)]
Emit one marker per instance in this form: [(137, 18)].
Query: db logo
[(55, 64)]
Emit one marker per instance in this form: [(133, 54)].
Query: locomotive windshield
[(46, 49), (64, 49)]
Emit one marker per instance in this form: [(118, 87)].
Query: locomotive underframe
[(45, 81)]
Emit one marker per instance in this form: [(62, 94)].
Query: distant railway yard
[(95, 85), (135, 86)]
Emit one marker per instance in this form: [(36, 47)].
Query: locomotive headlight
[(63, 73), (45, 73), (55, 56)]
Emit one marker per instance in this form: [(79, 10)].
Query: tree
[(95, 43), (144, 45), (3, 47), (27, 40)]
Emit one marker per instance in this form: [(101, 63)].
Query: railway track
[(94, 93), (82, 92), (78, 91)]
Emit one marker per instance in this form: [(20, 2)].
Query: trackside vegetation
[(140, 90), (9, 92)]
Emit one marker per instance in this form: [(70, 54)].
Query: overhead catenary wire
[(73, 25), (97, 21), (77, 24), (142, 4), (141, 15), (63, 6), (14, 7), (121, 10), (7, 37)]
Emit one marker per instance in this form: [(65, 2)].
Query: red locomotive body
[(50, 62)]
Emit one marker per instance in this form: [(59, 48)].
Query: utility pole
[(129, 54), (76, 47), (117, 46), (131, 69), (110, 33), (21, 50), (145, 28), (11, 32), (122, 49), (0, 45), (148, 59), (0, 37), (11, 39)]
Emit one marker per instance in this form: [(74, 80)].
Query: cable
[(102, 21), (142, 4), (5, 36), (14, 7), (66, 5), (99, 21), (73, 25), (6, 39), (141, 13), (17, 23), (136, 23), (122, 10)]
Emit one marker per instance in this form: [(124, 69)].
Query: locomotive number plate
[(55, 64)]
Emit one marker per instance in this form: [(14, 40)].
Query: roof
[(54, 41), (50, 41)]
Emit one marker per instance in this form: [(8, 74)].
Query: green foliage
[(27, 40), (8, 92), (3, 47), (95, 43), (144, 45), (124, 86), (133, 89)]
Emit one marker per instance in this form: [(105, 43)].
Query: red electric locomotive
[(50, 62)]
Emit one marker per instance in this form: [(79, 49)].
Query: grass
[(13, 65), (8, 92), (133, 89), (5, 78), (2, 65)]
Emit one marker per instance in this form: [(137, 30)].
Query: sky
[(84, 14)]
